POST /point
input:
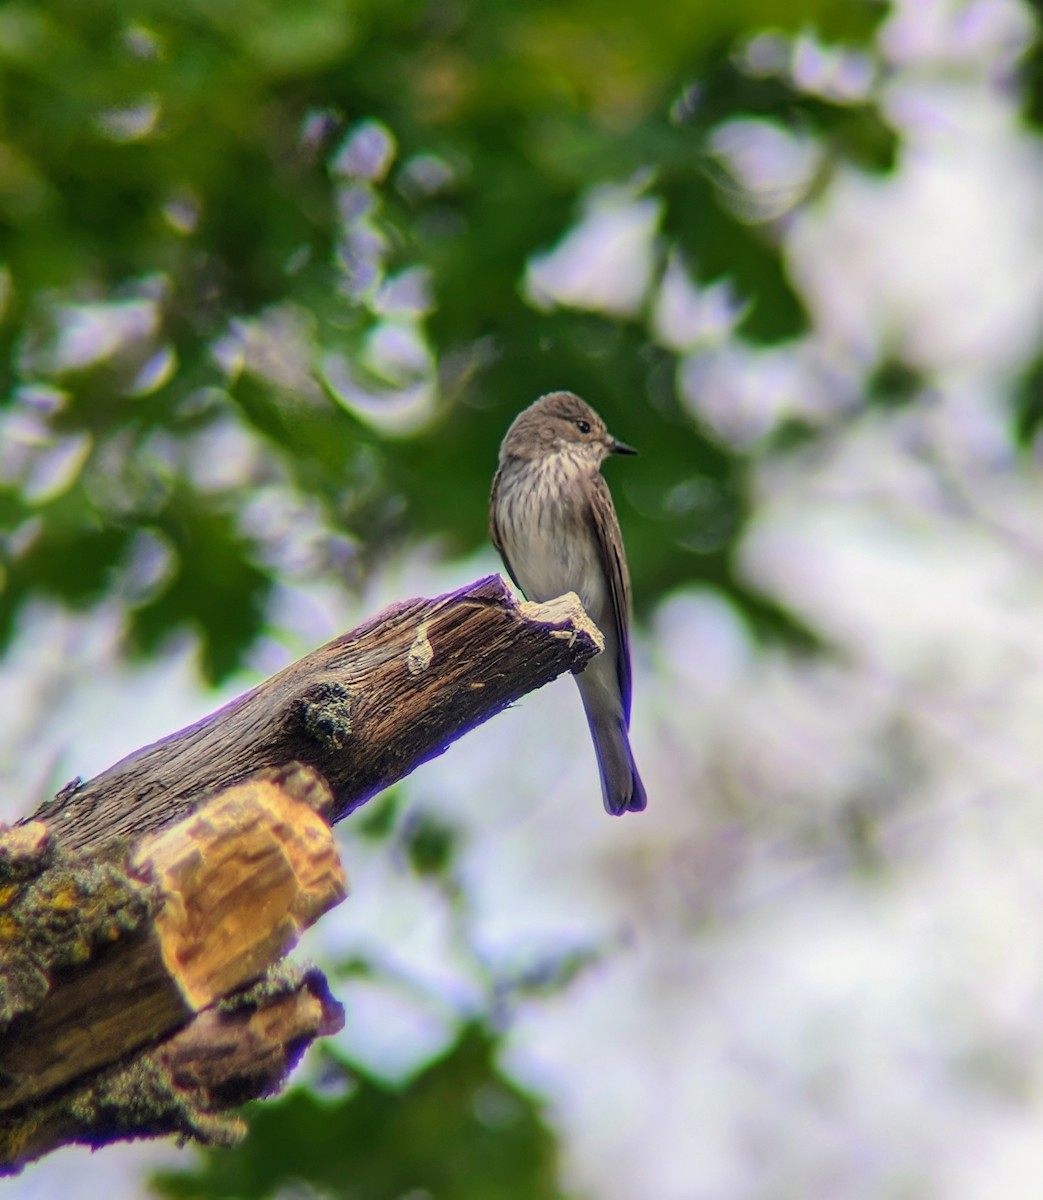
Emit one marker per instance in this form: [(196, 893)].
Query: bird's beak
[(618, 447)]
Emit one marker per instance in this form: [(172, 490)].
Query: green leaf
[(430, 843), (1028, 405), (894, 384), (214, 589), (459, 1130)]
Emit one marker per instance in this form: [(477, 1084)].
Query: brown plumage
[(552, 519)]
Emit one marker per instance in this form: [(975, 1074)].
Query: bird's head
[(558, 423)]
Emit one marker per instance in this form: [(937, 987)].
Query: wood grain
[(364, 710)]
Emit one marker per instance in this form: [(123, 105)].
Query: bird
[(552, 520)]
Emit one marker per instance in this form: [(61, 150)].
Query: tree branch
[(364, 710), (101, 956), (144, 915)]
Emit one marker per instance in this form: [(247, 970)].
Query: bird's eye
[(583, 426)]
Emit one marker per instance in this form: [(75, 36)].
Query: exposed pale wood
[(241, 878), (228, 891), (364, 710), (22, 848)]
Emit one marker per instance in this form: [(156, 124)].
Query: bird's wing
[(609, 541), (494, 534)]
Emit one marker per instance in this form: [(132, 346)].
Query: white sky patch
[(396, 353), (742, 392), (393, 1032), (774, 165), (686, 315), (945, 579), (155, 373), (929, 263), (277, 345), (407, 294), (838, 73), (87, 334), (604, 263), (133, 123), (57, 467), (367, 152), (925, 33), (182, 211), (835, 72), (224, 455)]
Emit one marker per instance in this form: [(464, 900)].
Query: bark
[(364, 710), (104, 958), (144, 915)]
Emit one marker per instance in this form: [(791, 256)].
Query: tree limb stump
[(189, 1085), (164, 936)]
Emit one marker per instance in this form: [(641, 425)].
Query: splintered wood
[(231, 887), (242, 878)]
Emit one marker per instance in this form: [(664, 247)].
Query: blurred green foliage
[(214, 220), (212, 217), (459, 1130)]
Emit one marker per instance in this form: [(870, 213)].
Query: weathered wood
[(363, 710), (221, 897), (241, 879), (243, 1048), (192, 1083)]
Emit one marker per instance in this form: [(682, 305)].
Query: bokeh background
[(275, 279)]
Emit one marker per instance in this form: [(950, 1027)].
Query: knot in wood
[(325, 712)]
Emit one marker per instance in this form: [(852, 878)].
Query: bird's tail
[(621, 786)]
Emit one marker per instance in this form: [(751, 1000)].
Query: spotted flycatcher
[(552, 520)]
